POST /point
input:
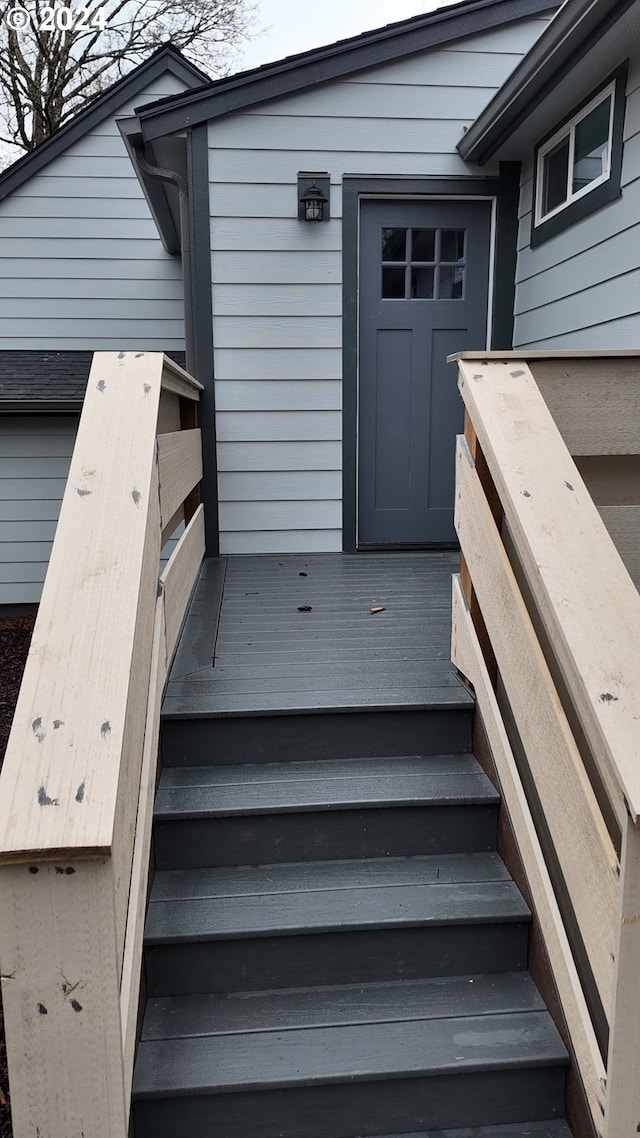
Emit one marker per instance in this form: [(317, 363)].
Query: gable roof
[(166, 58), (574, 30), (298, 72)]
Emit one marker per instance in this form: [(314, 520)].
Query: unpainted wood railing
[(77, 786), (546, 627)]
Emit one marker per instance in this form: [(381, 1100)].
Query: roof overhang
[(169, 154), (166, 58), (577, 28), (324, 64)]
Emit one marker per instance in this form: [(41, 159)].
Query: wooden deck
[(294, 632)]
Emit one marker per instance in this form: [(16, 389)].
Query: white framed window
[(578, 165), (577, 158)]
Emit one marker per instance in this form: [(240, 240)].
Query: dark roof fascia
[(166, 58), (152, 189), (574, 30), (334, 61)]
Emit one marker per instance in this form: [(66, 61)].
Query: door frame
[(503, 192)]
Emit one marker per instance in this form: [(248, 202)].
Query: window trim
[(597, 193)]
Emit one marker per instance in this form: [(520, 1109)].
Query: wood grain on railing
[(77, 784), (556, 528), (467, 655), (585, 852), (562, 619), (180, 468)]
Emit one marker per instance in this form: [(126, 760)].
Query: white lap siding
[(81, 262), (581, 289), (277, 282)]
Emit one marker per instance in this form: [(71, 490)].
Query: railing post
[(61, 985), (622, 1106)]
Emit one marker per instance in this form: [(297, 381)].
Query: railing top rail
[(175, 378), (552, 354), (585, 597), (61, 775)]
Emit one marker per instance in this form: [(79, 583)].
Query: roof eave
[(165, 59), (331, 62), (576, 26), (40, 406)]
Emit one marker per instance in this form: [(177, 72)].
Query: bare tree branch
[(58, 63)]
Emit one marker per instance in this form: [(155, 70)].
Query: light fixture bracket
[(315, 188)]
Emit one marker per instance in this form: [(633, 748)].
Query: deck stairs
[(334, 949)]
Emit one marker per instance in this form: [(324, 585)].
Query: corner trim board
[(199, 321)]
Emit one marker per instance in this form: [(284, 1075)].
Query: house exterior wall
[(277, 282), (35, 454), (581, 289), (81, 262)]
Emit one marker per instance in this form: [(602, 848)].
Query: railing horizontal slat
[(179, 577), (572, 815), (132, 959), (179, 467), (467, 656), (176, 379), (570, 564)]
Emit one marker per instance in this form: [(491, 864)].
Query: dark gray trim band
[(352, 190), (324, 64), (167, 58), (199, 322), (506, 255), (608, 191), (49, 407)]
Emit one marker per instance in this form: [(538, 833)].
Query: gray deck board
[(363, 1051), (270, 657), (263, 789), (175, 1017)]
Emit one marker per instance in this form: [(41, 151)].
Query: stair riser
[(276, 738), (324, 835), (372, 1108), (334, 958)]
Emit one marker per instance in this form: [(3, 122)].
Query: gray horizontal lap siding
[(81, 262), (581, 289), (277, 283), (35, 456)]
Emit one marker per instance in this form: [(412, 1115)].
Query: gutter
[(159, 174), (572, 32)]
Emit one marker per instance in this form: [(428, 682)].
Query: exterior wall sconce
[(313, 196)]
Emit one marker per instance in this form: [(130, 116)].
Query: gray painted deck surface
[(247, 648)]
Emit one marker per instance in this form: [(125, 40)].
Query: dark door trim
[(505, 191)]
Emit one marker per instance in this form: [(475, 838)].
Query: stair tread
[(221, 903), (322, 784), (174, 1017), (553, 1128), (257, 1060)]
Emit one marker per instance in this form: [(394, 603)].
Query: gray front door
[(423, 290)]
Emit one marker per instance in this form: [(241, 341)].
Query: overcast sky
[(292, 27)]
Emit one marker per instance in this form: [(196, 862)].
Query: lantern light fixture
[(313, 196)]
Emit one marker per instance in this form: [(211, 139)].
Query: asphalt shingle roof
[(29, 379)]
